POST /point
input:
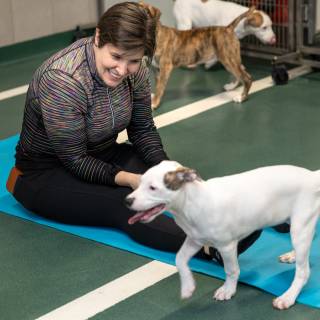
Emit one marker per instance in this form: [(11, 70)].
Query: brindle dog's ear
[(153, 12), (175, 179)]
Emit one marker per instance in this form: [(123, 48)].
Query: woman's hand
[(128, 179), (134, 180)]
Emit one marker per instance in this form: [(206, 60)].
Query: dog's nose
[(273, 40), (128, 201)]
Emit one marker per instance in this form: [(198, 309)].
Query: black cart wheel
[(279, 74)]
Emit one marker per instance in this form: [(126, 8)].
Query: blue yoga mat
[(259, 264)]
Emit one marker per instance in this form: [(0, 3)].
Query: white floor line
[(203, 105), (13, 92), (221, 98), (113, 292)]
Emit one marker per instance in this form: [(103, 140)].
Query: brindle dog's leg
[(161, 82), (210, 63), (232, 85), (239, 72), (231, 60), (246, 80)]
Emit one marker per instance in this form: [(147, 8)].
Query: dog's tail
[(235, 22)]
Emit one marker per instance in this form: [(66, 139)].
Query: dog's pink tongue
[(136, 217), (145, 215)]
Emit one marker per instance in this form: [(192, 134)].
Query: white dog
[(221, 211), (203, 13)]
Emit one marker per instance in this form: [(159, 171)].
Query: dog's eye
[(152, 188)]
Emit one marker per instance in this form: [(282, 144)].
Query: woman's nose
[(123, 68)]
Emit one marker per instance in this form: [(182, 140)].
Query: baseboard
[(29, 48)]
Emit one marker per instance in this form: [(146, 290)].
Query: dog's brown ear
[(175, 179), (255, 20), (152, 11)]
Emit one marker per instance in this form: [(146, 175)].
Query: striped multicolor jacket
[(70, 115)]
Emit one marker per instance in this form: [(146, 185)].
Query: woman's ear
[(96, 37)]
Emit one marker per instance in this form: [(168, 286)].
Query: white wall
[(22, 20)]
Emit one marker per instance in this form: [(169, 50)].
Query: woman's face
[(114, 64)]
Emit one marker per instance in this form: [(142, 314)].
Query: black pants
[(57, 195)]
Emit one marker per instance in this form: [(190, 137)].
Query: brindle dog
[(176, 48)]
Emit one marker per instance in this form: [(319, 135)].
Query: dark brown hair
[(128, 26)]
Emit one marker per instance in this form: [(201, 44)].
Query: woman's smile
[(114, 64)]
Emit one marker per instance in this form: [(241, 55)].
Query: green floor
[(42, 268)]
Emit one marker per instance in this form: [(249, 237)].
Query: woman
[(72, 169)]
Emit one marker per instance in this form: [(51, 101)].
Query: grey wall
[(318, 16), (164, 5), (22, 20)]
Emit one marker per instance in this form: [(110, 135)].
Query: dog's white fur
[(221, 211), (196, 13)]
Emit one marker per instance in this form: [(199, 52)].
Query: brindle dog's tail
[(235, 22)]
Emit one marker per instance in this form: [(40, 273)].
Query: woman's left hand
[(128, 179), (135, 181)]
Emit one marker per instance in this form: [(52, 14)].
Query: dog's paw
[(210, 64), (230, 86), (283, 302), (224, 293), (289, 257), (155, 102), (238, 99), (187, 291), (192, 66), (207, 66)]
